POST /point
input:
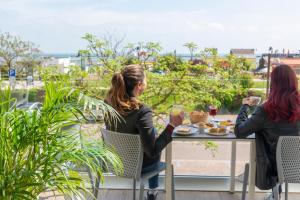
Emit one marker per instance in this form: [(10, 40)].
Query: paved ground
[(193, 159), (179, 195)]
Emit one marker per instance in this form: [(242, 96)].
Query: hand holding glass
[(177, 115), (255, 100), (252, 101), (176, 110)]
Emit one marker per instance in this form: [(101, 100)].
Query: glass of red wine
[(213, 111)]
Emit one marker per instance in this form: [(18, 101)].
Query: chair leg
[(245, 181), (286, 192), (142, 186), (134, 188), (173, 184)]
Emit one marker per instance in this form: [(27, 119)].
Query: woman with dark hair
[(123, 95), (278, 116)]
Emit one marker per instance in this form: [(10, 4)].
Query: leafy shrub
[(246, 81)]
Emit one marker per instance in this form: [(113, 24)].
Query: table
[(201, 136)]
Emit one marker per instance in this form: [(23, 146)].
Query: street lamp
[(268, 72), (81, 59)]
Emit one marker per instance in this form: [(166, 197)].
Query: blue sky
[(58, 25)]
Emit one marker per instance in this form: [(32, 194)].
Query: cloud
[(57, 25)]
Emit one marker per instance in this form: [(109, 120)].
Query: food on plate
[(198, 116), (213, 130), (205, 125), (202, 125), (221, 130), (186, 122), (217, 131), (209, 125), (183, 130), (226, 123)]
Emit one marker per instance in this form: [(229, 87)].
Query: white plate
[(191, 132), (216, 134)]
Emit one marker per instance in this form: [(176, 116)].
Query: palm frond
[(39, 149)]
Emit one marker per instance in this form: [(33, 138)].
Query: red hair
[(284, 101)]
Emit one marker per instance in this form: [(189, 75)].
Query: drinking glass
[(176, 110), (255, 100), (213, 111)]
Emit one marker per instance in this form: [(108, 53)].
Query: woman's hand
[(176, 120), (248, 101)]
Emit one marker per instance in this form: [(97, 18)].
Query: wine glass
[(213, 111)]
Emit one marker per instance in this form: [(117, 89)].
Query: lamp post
[(268, 72), (80, 54)]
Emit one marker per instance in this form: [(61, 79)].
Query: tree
[(148, 50), (207, 53), (192, 48), (29, 63), (107, 49), (13, 50)]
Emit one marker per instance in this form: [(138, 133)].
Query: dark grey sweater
[(267, 133)]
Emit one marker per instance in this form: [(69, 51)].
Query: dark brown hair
[(120, 95)]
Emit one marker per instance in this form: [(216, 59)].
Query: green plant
[(17, 53), (169, 62), (40, 151), (192, 47), (246, 81)]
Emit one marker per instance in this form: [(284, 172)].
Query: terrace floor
[(179, 195)]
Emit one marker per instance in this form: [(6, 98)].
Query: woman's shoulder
[(144, 109), (259, 110)]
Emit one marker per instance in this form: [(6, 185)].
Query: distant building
[(63, 64), (243, 53), (293, 62)]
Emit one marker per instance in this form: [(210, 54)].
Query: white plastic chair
[(130, 150), (288, 162)]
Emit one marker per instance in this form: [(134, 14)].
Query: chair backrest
[(130, 150), (288, 159)]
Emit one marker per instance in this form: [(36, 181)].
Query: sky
[(57, 26)]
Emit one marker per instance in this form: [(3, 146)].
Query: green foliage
[(209, 53), (35, 94), (194, 86), (211, 146), (13, 48), (192, 47), (141, 52), (170, 63), (41, 149), (105, 50), (259, 84), (218, 82), (198, 69), (246, 81)]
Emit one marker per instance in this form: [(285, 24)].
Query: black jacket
[(267, 133), (140, 122)]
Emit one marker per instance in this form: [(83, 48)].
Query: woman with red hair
[(278, 116)]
